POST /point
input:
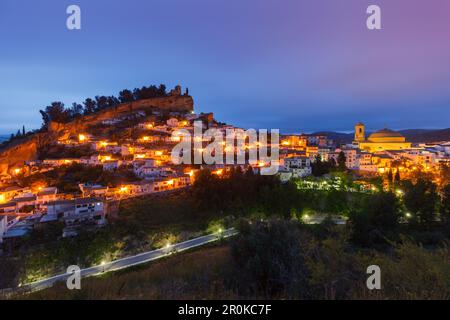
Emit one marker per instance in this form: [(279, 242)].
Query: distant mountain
[(3, 138), (412, 135), (424, 135)]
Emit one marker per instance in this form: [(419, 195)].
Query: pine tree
[(341, 161), (397, 176), (390, 176)]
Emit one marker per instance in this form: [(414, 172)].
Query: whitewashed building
[(300, 167)]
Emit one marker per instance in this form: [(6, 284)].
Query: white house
[(300, 167), (95, 190), (8, 207), (25, 201), (152, 171), (111, 165), (364, 162), (47, 195), (86, 209), (93, 160), (58, 210), (75, 211)]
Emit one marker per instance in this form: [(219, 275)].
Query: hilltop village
[(87, 166)]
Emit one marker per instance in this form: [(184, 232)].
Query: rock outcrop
[(17, 153), (183, 103)]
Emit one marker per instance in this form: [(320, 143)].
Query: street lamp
[(168, 248), (103, 263)]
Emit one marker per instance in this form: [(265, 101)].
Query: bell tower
[(360, 134)]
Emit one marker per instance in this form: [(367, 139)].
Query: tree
[(76, 110), (445, 204), (397, 178), (126, 96), (45, 119), (341, 161), (319, 168), (420, 199), (89, 106), (268, 260), (55, 113), (162, 90), (390, 176), (378, 217), (23, 130), (101, 103)]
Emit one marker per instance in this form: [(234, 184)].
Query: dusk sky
[(296, 65)]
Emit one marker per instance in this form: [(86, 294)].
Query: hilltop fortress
[(27, 149)]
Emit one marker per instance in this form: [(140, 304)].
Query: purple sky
[(297, 65)]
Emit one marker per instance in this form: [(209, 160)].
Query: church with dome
[(384, 139)]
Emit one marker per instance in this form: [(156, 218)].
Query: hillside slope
[(27, 149)]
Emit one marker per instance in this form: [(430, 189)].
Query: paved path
[(133, 260)]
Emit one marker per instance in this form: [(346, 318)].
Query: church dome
[(385, 135)]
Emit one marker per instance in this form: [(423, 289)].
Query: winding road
[(132, 260)]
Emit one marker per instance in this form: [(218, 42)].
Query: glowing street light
[(102, 264), (82, 138), (408, 215)]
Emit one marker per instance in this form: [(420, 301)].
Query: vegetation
[(21, 133), (57, 112), (277, 259), (276, 255), (320, 168)]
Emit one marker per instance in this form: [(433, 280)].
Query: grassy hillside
[(192, 275)]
